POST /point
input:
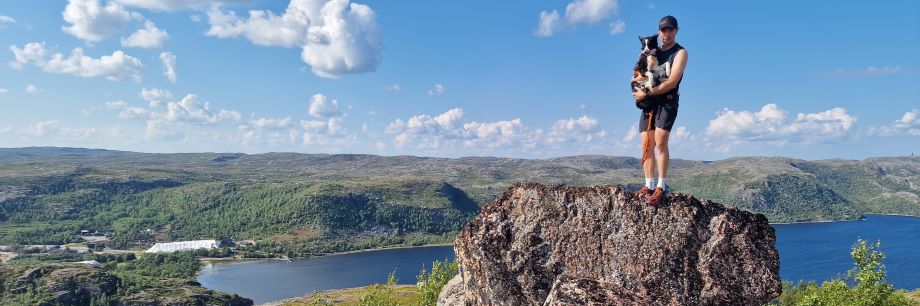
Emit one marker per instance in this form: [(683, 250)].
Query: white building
[(169, 247), (89, 262)]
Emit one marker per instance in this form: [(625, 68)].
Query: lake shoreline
[(379, 249), (809, 222), (860, 219), (228, 260)]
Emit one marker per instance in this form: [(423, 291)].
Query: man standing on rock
[(671, 58)]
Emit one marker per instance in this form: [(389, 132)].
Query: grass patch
[(404, 295)]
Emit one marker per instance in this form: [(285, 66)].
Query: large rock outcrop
[(602, 245)]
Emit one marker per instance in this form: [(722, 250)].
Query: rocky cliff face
[(602, 245)]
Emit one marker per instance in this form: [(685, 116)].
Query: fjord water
[(821, 251), (808, 251), (271, 280)]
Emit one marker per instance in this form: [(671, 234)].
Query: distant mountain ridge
[(282, 196)]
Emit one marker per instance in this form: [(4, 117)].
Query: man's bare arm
[(677, 71)]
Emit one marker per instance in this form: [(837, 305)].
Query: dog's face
[(649, 44)]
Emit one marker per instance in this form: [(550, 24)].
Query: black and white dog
[(647, 65)]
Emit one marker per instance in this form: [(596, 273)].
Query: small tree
[(429, 285), (381, 295), (102, 300), (872, 287)]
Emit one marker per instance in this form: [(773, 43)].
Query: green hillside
[(303, 204)]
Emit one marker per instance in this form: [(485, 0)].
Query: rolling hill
[(314, 203)]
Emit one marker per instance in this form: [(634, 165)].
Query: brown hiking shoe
[(644, 191), (657, 198)]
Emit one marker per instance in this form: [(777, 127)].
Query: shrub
[(381, 295), (317, 299), (429, 285)]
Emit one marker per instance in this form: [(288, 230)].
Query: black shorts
[(664, 114)]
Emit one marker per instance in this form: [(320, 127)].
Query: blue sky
[(812, 80)]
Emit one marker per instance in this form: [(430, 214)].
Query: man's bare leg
[(664, 155), (648, 167)]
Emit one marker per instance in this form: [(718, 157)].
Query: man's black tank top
[(666, 58)]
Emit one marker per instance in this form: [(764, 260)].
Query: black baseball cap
[(667, 21)]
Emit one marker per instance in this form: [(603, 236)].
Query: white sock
[(662, 182), (650, 182)]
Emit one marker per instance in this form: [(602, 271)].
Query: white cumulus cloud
[(680, 132), (147, 37), (179, 116), (188, 110), (269, 131), (427, 130), (582, 129), (631, 134), (579, 12), (909, 124), (771, 124), (321, 107), (42, 128), (437, 90), (326, 130), (118, 66), (155, 96), (549, 23), (169, 65), (492, 134), (90, 21), (617, 27), (322, 131), (337, 37), (263, 123), (450, 130), (175, 5)]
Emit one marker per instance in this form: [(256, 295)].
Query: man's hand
[(639, 78)]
